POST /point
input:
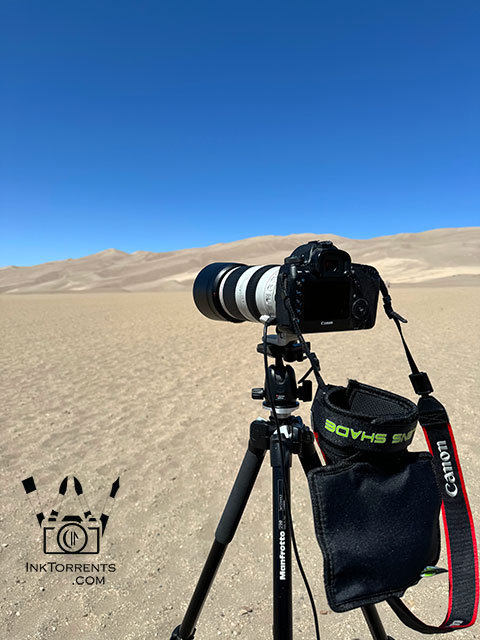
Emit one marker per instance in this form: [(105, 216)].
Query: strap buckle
[(421, 383)]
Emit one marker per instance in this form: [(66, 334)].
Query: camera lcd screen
[(326, 300)]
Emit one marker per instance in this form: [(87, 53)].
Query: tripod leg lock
[(176, 634)]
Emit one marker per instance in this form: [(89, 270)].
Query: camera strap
[(457, 516)]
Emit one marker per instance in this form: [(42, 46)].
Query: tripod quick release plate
[(291, 352)]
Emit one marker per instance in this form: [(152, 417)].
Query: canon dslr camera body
[(317, 283), (326, 291)]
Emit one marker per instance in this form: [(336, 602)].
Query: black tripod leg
[(227, 526), (374, 623), (282, 547), (308, 455)]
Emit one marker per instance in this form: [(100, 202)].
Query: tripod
[(291, 438)]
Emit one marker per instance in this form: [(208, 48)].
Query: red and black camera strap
[(457, 517)]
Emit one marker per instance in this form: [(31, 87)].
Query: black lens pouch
[(375, 505)]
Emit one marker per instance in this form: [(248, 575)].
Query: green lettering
[(380, 438), (366, 436), (355, 434), (329, 425), (345, 433)]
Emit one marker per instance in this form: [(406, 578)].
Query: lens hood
[(206, 290)]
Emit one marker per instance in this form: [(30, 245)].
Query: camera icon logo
[(72, 534)]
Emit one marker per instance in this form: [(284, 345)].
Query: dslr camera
[(318, 288)]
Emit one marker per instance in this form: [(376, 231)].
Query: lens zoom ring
[(229, 301), (252, 288)]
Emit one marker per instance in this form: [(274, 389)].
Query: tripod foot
[(176, 634)]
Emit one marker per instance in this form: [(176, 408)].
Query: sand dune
[(440, 256)]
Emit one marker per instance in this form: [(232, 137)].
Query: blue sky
[(161, 125)]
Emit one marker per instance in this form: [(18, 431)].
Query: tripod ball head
[(284, 387)]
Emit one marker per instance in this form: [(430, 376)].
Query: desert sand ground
[(142, 386)]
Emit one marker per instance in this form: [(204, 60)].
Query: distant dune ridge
[(440, 256)]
